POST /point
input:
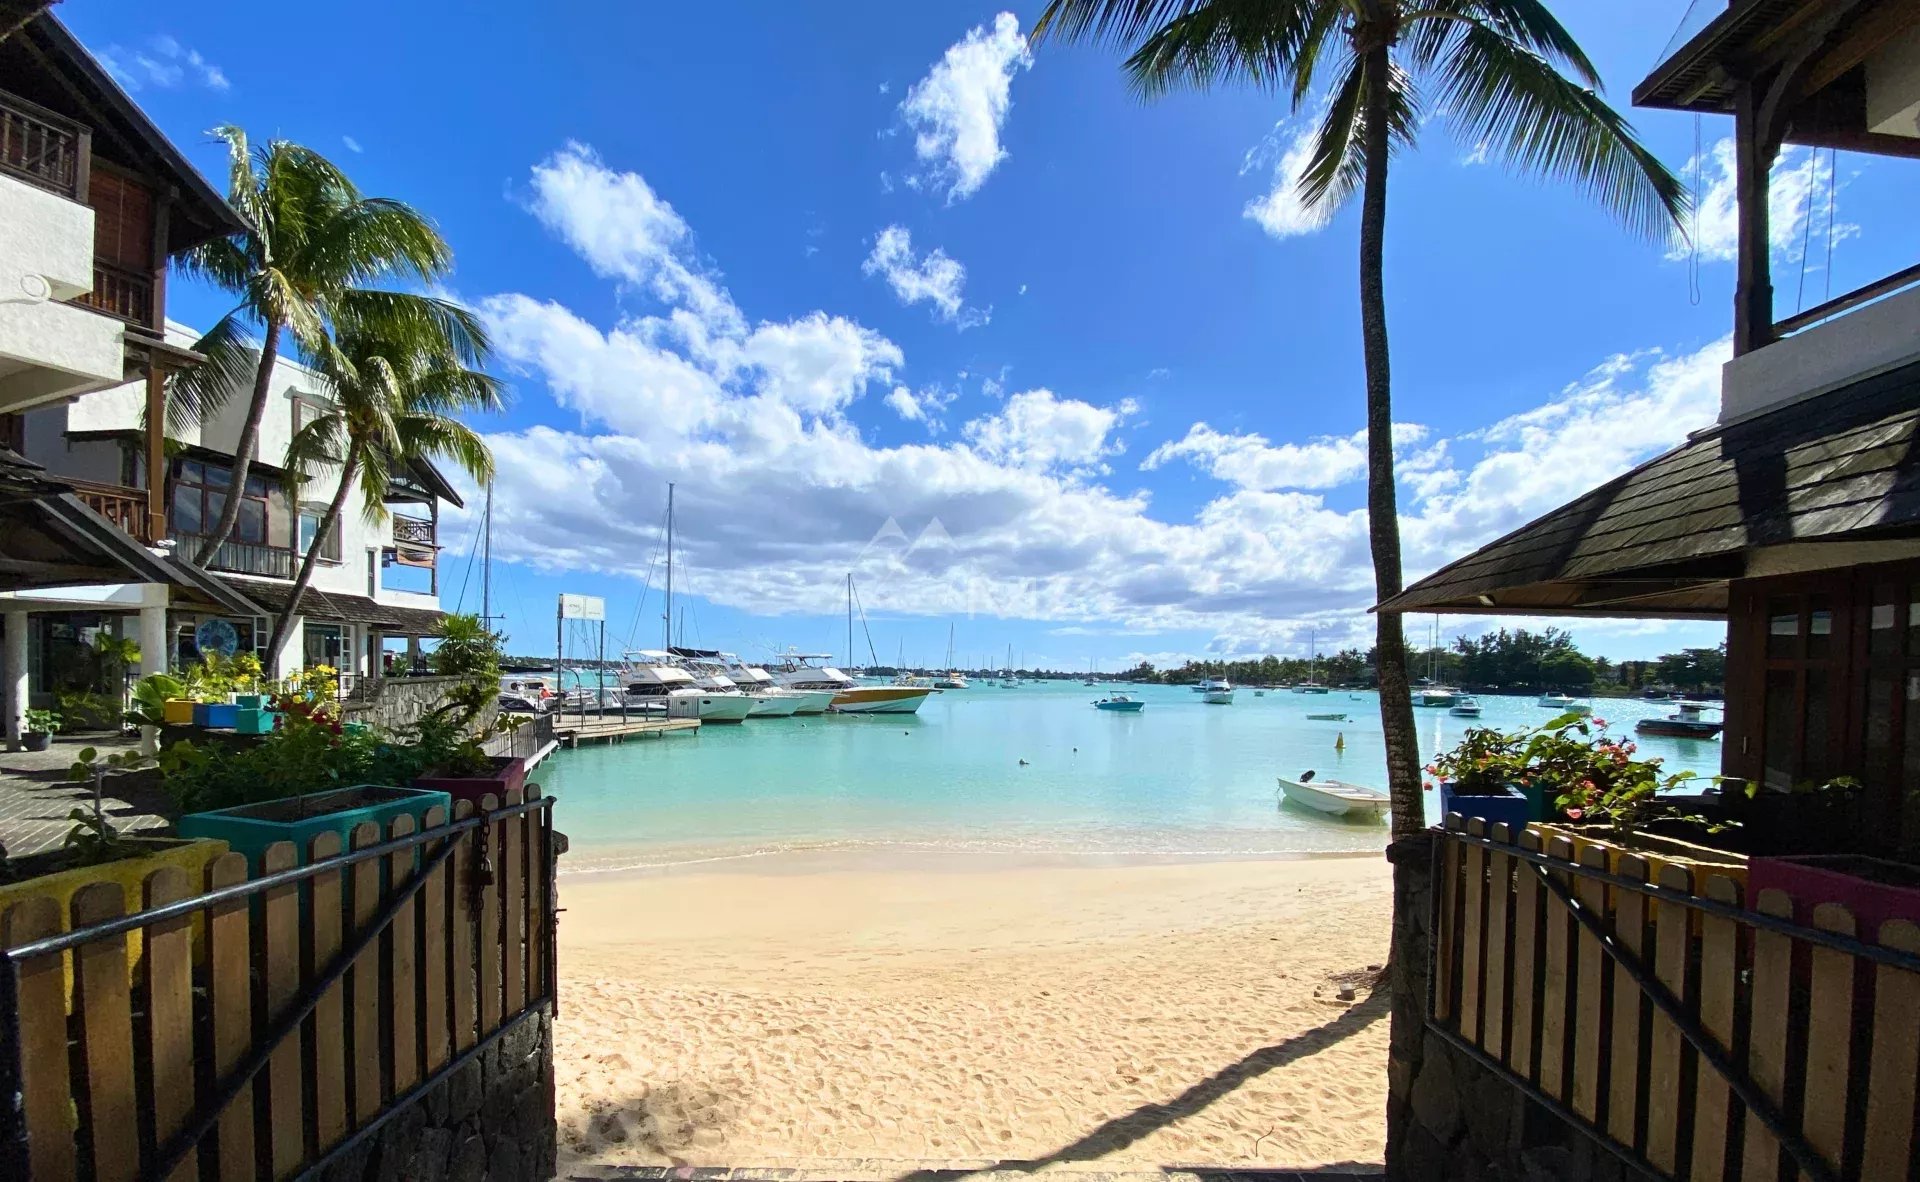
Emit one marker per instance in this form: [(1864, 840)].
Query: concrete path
[(35, 795)]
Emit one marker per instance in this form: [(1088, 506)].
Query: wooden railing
[(1694, 1034), (120, 292), (125, 507), (241, 558), (260, 1023), (44, 148)]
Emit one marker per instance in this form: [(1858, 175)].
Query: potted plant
[(453, 759), (213, 692), (1483, 777), (1874, 889), (40, 728)]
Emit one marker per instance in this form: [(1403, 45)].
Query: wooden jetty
[(606, 729)]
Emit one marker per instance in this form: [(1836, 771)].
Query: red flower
[(1428, 785), (1575, 814)]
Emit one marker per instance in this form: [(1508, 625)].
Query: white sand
[(1126, 1016)]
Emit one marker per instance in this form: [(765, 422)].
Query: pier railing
[(260, 1026), (1695, 1033)]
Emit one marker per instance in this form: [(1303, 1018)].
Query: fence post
[(39, 1050)]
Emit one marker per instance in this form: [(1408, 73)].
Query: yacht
[(656, 672), (1688, 723), (651, 685), (1436, 696), (725, 673), (1465, 706), (952, 679), (808, 671), (1218, 691), (758, 683)]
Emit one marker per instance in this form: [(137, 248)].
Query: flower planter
[(250, 701), (251, 720), (36, 741), (1873, 889), (251, 828), (1511, 811), (507, 773), (130, 874), (178, 711), (217, 715), (1658, 852)]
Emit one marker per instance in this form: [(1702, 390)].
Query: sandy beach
[(958, 1011)]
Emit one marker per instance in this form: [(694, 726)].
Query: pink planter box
[(508, 773), (1874, 889)]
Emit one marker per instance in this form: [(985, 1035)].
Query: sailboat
[(661, 674), (1434, 694), (952, 678), (1009, 681), (901, 698), (1312, 684)]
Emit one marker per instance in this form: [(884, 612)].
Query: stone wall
[(395, 703), (1448, 1117), (489, 1120)]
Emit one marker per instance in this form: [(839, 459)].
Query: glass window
[(186, 510), (1819, 629), (1818, 744), (1883, 637), (252, 526), (218, 475), (309, 526), (1783, 628)]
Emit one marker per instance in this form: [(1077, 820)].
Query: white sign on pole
[(582, 607)]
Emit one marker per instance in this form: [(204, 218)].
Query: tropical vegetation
[(1510, 80)]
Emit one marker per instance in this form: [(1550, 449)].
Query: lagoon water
[(1180, 778)]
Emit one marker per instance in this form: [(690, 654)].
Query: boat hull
[(1327, 717), (1309, 689), (1219, 698), (880, 699), (773, 706), (725, 707), (1337, 799), (1677, 730), (1122, 707)]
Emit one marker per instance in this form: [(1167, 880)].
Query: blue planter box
[(215, 714), (250, 828), (253, 721), (1512, 811), (250, 701)]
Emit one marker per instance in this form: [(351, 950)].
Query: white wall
[(1852, 346), (48, 349)]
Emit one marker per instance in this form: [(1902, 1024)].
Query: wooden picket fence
[(1697, 1035), (314, 1001)]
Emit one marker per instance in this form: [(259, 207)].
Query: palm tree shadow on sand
[(1122, 1131)]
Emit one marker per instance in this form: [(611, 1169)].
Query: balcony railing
[(120, 292), (125, 507), (413, 541), (241, 558), (42, 148)]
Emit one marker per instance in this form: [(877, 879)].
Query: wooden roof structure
[(1664, 539), (350, 609)]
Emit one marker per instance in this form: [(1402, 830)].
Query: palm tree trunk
[(347, 472), (1383, 515), (243, 448)]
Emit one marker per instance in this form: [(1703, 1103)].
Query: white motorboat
[(648, 682), (1436, 696), (807, 671), (1465, 706), (1218, 691), (1335, 798), (952, 679), (1554, 701)]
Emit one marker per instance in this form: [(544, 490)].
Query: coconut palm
[(312, 247), (397, 384), (1499, 69)]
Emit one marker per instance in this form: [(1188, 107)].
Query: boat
[(1335, 798), (1218, 691), (1430, 693), (1327, 717), (1259, 693), (1554, 701), (759, 684), (1009, 681), (1465, 706), (1309, 687), (1687, 723), (1312, 684), (952, 679), (650, 679), (1121, 703)]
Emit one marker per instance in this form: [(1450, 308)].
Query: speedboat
[(1259, 693), (1436, 696), (1554, 701), (772, 700), (1688, 723), (951, 679), (536, 688), (650, 681), (1218, 691), (1465, 706), (1335, 798), (1326, 718), (1309, 687), (1122, 704), (806, 671)]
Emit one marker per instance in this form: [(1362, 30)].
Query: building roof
[(1664, 539), (202, 213), (49, 538), (349, 609)]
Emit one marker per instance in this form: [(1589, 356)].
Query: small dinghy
[(1328, 717), (1335, 798)]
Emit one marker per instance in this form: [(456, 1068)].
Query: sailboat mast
[(669, 615), (849, 619), (486, 566)]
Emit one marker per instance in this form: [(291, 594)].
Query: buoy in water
[(1340, 741)]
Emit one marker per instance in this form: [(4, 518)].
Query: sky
[(1046, 367)]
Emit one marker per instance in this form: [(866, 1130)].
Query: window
[(310, 517), (200, 491)]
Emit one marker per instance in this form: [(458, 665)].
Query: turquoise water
[(1179, 778)]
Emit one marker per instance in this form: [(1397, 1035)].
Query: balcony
[(413, 541), (43, 148), (125, 507), (240, 558), (118, 292)]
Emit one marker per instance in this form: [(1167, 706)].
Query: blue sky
[(1069, 371)]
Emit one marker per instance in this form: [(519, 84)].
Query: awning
[(49, 539), (348, 609), (1664, 539)]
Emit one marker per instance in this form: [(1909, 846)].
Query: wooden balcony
[(43, 148), (125, 507), (413, 541), (240, 558), (118, 292)]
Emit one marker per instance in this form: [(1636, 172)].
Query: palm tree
[(311, 247), (1498, 68), (397, 383)]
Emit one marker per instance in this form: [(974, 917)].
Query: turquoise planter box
[(254, 721), (215, 714), (250, 828), (250, 701)]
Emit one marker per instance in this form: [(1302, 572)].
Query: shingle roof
[(1663, 539), (353, 609)]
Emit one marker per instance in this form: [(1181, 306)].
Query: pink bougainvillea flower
[(1575, 814), (1428, 785)]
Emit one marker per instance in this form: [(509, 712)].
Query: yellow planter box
[(1703, 861), (178, 711), (130, 874)]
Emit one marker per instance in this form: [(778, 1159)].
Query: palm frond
[(243, 191), (404, 323), (196, 394), (222, 262), (454, 390), (374, 238), (1338, 163), (1511, 99), (319, 446), (430, 437), (1255, 40), (1528, 24)]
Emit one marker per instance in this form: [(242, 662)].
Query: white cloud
[(1801, 186), (923, 407), (1281, 212), (1477, 155), (1037, 429), (1023, 289), (1250, 461), (353, 145), (164, 63), (885, 87), (934, 277), (958, 109)]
